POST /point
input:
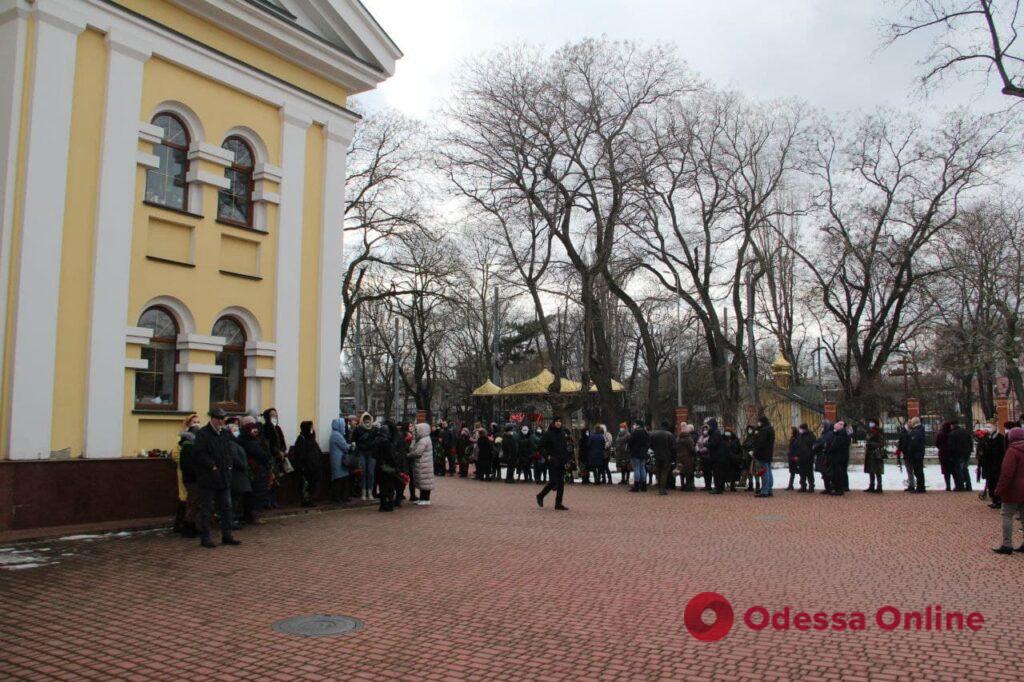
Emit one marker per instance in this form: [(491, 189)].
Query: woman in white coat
[(423, 451)]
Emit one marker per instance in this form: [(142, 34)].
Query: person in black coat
[(821, 448), (509, 453), (308, 460), (960, 454), (663, 443), (839, 459), (261, 464), (555, 448), (211, 457), (524, 455), (915, 452), (484, 456), (718, 456), (387, 466), (638, 444), (764, 448), (805, 458), (276, 444)]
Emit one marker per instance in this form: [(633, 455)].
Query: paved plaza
[(484, 585)]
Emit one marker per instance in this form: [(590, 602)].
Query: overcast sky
[(826, 52)]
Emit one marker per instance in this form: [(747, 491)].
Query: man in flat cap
[(212, 456)]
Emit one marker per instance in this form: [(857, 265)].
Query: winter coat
[(822, 447), (686, 454), (509, 448), (273, 436), (1011, 477), (764, 443), (946, 461), (718, 449), (554, 447), (805, 452), (839, 452), (960, 444), (338, 450), (991, 455), (526, 448), (308, 459), (915, 444), (240, 483), (186, 462), (663, 443), (423, 451), (261, 462), (212, 457), (593, 451), (874, 452), (639, 443), (621, 447)]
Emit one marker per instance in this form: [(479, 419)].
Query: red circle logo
[(696, 607)]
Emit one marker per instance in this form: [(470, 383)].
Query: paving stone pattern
[(484, 585)]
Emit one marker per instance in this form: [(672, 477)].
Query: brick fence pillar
[(913, 408)]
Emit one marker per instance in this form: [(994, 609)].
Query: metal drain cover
[(318, 626)]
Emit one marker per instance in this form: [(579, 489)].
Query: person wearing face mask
[(273, 436), (260, 464), (734, 460), (874, 456), (188, 488), (241, 486)]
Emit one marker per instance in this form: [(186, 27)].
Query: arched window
[(227, 389), (166, 184), (234, 204), (156, 387)]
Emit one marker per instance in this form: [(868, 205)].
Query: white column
[(115, 207), (339, 135), (42, 226), (13, 32), (289, 266)]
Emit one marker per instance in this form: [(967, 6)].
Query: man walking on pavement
[(553, 447), (212, 457)]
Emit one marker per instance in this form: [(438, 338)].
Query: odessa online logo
[(693, 616)]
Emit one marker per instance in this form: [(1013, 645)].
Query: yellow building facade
[(171, 194)]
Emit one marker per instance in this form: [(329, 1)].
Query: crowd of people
[(234, 467)]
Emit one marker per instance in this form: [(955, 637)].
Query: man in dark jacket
[(211, 456), (663, 443), (509, 452), (959, 445), (764, 447), (686, 457), (556, 451), (638, 444), (915, 452)]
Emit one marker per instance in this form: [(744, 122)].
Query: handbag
[(287, 466)]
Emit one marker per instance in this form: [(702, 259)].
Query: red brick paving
[(484, 585)]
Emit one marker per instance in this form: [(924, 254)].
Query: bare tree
[(970, 36), (561, 139), (888, 187), (720, 164), (383, 202)]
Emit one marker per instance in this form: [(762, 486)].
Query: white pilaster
[(13, 32), (289, 266), (115, 207), (339, 135), (42, 225)]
